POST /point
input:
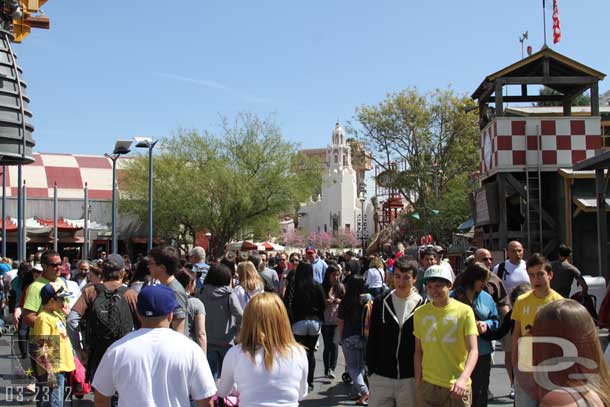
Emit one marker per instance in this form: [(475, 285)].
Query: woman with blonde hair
[(374, 277), (250, 282), (585, 382), (268, 367)]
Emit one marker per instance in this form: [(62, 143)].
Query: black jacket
[(390, 350)]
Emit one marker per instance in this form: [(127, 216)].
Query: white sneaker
[(511, 395)]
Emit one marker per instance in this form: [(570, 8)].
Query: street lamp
[(362, 199), (147, 142), (120, 148)]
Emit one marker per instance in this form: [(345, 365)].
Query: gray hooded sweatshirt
[(223, 314)]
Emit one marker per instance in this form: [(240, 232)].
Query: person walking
[(250, 282), (352, 338), (564, 273), (334, 292), (391, 344), (305, 304), (374, 277), (224, 315), (145, 368), (469, 289), (195, 308), (267, 366)]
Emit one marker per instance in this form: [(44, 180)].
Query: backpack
[(501, 270), (109, 319), (588, 301)]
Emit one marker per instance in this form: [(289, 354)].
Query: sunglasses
[(53, 264)]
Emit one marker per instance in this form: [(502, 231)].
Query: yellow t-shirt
[(527, 306), (32, 296), (442, 332), (50, 328)]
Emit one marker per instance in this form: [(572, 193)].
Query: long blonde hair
[(569, 320), (248, 276), (265, 325)]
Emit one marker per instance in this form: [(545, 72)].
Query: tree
[(345, 238), (582, 99), (321, 240), (293, 238), (424, 143), (239, 181)]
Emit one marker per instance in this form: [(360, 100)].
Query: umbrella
[(242, 246), (272, 247)]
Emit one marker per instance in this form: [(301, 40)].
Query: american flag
[(556, 26)]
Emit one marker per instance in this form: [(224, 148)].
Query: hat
[(230, 256), (53, 290), (113, 262), (310, 249), (38, 267), (156, 301), (438, 271)]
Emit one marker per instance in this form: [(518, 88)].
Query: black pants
[(309, 342), (480, 381), (331, 348)]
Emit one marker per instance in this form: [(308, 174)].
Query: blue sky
[(146, 68)]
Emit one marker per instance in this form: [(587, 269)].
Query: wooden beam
[(567, 107), (520, 188), (551, 80), (498, 98), (546, 68), (503, 224), (602, 234), (595, 99), (532, 98), (523, 89)]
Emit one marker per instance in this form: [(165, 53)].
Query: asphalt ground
[(326, 393)]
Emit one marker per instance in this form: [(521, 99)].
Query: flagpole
[(544, 19)]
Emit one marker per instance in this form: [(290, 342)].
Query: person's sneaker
[(511, 395), (331, 374)]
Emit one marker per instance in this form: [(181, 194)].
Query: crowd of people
[(243, 329)]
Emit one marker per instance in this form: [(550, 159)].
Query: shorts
[(431, 395)]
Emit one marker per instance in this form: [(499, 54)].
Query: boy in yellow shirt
[(446, 349), (54, 352), (524, 313)]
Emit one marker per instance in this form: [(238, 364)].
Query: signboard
[(481, 208), (486, 205)]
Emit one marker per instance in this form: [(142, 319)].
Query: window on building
[(347, 227), (336, 159), (606, 134), (345, 160), (325, 228)]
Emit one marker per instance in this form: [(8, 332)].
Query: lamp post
[(362, 199), (120, 148), (146, 142)]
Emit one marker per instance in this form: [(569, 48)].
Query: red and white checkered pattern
[(70, 172), (514, 142)]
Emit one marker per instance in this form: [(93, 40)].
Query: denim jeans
[(216, 355), (354, 363), (331, 347), (306, 332), (51, 396), (306, 327)]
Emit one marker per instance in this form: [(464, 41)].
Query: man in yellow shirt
[(54, 351), (446, 349), (524, 313)]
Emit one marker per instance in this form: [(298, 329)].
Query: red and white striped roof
[(69, 171)]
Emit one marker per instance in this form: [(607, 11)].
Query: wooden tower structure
[(520, 157)]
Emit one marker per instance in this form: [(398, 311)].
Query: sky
[(147, 68)]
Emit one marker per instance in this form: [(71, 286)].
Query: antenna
[(522, 39)]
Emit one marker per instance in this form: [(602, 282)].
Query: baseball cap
[(310, 249), (156, 301), (53, 290), (113, 262), (438, 271)]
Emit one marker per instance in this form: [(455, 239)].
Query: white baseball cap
[(438, 271)]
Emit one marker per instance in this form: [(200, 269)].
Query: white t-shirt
[(404, 307), (244, 296), (284, 386), (75, 290), (374, 278), (154, 367), (514, 275)]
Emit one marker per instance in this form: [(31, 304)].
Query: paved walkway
[(327, 393)]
